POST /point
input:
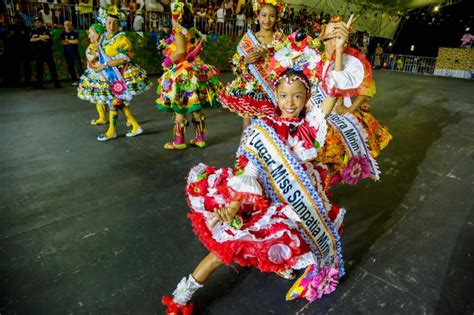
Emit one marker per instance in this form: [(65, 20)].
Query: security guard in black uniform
[(42, 50)]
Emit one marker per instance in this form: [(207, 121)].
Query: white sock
[(185, 290)]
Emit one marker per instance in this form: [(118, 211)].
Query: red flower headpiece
[(297, 53)]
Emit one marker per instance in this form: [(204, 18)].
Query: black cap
[(38, 18)]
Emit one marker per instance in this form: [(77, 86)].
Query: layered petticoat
[(93, 86)]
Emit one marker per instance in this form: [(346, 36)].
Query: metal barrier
[(408, 63), (82, 16)]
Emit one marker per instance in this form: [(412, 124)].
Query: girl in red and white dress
[(240, 215)]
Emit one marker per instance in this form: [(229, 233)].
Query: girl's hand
[(341, 33), (253, 56), (225, 214)]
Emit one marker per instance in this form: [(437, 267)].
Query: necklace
[(292, 124)]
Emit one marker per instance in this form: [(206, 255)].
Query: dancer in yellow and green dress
[(113, 79), (188, 84)]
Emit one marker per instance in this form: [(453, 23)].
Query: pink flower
[(325, 283), (358, 168), (118, 87), (167, 62)]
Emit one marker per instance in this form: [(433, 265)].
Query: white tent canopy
[(379, 18)]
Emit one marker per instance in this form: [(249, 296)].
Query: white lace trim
[(195, 172), (305, 260), (340, 217), (223, 233), (286, 123)]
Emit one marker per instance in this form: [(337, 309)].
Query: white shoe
[(102, 137), (133, 134)]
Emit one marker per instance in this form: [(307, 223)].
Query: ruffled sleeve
[(245, 184), (347, 79), (352, 80)]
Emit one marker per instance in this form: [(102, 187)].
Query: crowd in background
[(220, 17), (230, 17)]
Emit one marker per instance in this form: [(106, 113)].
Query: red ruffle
[(173, 308), (246, 106), (245, 252), (249, 253), (304, 132)]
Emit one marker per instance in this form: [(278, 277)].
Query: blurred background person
[(138, 22), (220, 14), (46, 15), (18, 53), (70, 41)]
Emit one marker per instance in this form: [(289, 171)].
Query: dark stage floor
[(101, 228)]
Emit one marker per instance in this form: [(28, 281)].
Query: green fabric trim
[(174, 107)]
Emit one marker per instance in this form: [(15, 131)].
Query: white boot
[(185, 290)]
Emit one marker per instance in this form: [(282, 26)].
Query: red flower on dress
[(358, 168), (118, 87), (197, 189)]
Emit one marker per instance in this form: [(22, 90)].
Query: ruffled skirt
[(268, 239), (246, 98), (378, 136), (188, 87), (93, 87)]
